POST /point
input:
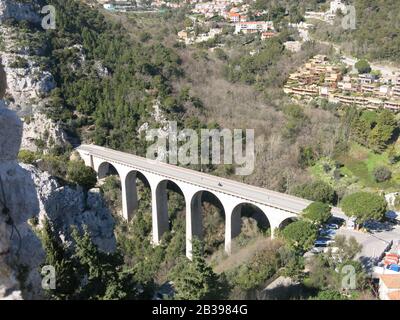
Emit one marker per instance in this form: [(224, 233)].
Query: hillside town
[(321, 78)]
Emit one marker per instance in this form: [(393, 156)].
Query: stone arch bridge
[(278, 208)]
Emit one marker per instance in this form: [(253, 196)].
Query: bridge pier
[(233, 225), (159, 201), (194, 220), (129, 195)]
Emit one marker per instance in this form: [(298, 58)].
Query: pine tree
[(58, 257), (381, 135), (195, 280), (103, 274)]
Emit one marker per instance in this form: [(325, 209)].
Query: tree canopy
[(80, 174), (195, 280), (364, 206), (318, 212), (85, 272), (300, 234), (316, 191), (363, 66)]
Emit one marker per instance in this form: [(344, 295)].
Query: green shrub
[(300, 235), (26, 156), (315, 191), (318, 212), (382, 174), (364, 206), (79, 173), (363, 66), (19, 62)]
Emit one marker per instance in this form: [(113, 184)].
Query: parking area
[(374, 243)]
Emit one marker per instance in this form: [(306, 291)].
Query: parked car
[(165, 292), (323, 242), (392, 217), (317, 250), (334, 226), (327, 232)]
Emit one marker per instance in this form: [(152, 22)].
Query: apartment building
[(396, 88), (293, 46), (367, 78), (267, 35), (318, 77), (254, 26), (392, 105), (211, 9), (337, 5), (310, 91), (236, 17), (330, 14), (346, 86), (368, 88)]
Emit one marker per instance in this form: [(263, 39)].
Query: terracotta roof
[(255, 22), (395, 295), (391, 281)]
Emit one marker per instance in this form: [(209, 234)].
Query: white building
[(330, 15), (293, 46), (254, 26), (337, 5)]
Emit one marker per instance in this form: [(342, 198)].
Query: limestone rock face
[(27, 84), (66, 207), (41, 127), (31, 193), (18, 10), (10, 138), (11, 131)]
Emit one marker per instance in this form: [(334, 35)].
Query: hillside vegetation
[(376, 35)]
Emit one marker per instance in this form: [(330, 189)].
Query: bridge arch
[(163, 218), (129, 183), (249, 210), (287, 221), (210, 227), (105, 169)]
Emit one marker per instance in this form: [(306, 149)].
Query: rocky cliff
[(28, 82), (28, 194), (38, 127), (19, 11)]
